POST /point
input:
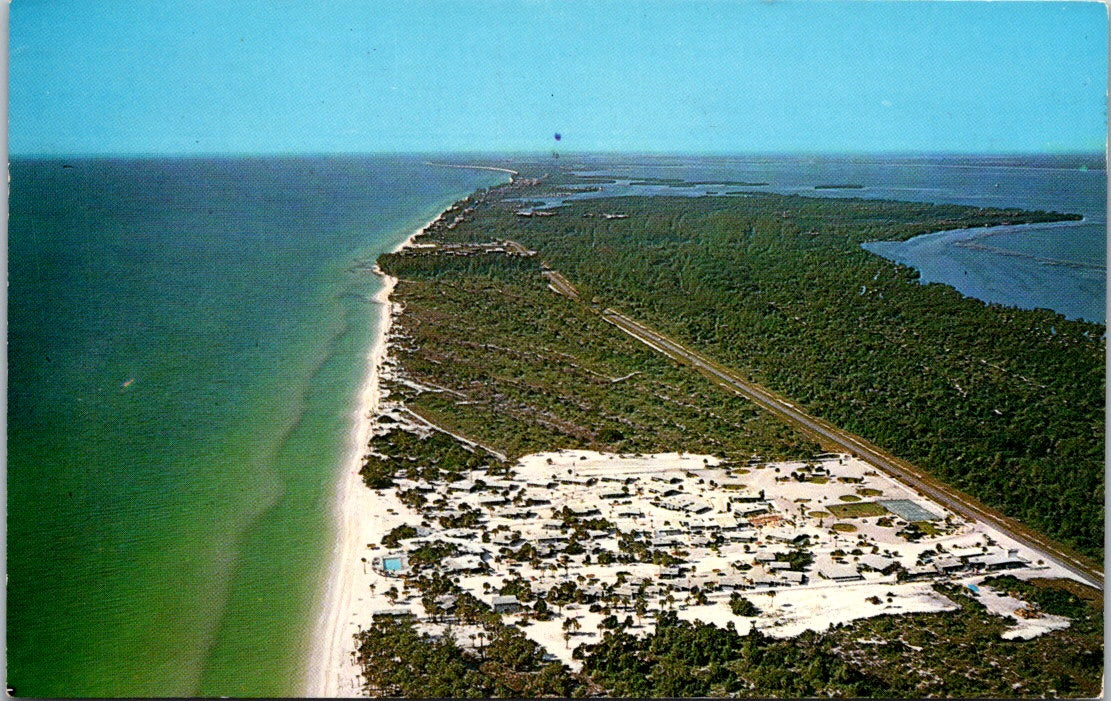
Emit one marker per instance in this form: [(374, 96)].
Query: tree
[(741, 606), (571, 625), (565, 561)]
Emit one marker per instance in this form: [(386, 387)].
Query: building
[(919, 572), (840, 573), (966, 552), (505, 604), (765, 580), (505, 539), (997, 561), (672, 572), (746, 535), (463, 563), (748, 498), (877, 563), (750, 509), (667, 541), (948, 565), (392, 613), (793, 577)]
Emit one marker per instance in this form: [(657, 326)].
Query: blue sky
[(231, 76)]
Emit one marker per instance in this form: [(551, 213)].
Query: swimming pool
[(391, 564)]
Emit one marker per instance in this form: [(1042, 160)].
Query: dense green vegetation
[(952, 654), (948, 654), (1002, 403), (741, 606), (398, 534), (522, 370), (406, 454), (1047, 596), (961, 654), (398, 661)]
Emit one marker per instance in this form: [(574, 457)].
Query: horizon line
[(552, 154)]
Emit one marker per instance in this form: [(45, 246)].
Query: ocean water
[(186, 342), (1058, 267)]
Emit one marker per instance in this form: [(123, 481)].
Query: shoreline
[(1004, 277), (975, 233), (470, 167), (331, 671)]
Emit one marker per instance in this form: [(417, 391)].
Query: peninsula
[(685, 446)]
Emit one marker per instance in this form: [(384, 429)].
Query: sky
[(712, 76)]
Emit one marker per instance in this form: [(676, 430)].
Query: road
[(560, 284), (830, 435)]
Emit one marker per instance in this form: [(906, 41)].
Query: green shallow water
[(169, 537)]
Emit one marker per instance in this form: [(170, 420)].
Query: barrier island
[(575, 502)]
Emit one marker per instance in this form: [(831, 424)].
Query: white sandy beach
[(362, 518)]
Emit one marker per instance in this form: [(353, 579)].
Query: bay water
[(1062, 267)]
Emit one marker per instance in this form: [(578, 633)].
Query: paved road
[(560, 284), (827, 433), (925, 484)]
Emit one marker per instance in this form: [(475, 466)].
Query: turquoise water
[(186, 341), (392, 564)]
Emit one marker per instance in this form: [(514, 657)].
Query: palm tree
[(575, 625), (640, 606), (571, 623), (481, 643)]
